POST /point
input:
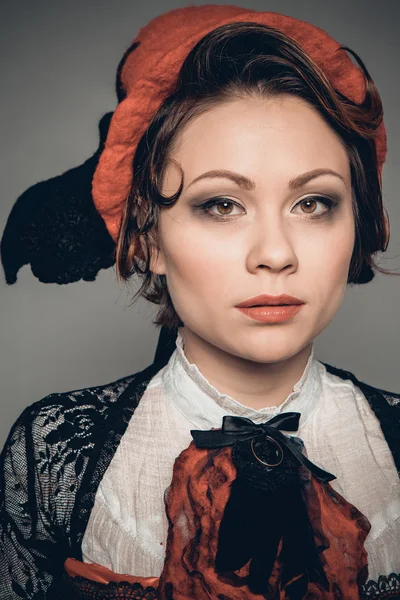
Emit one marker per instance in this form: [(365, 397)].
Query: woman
[(238, 466)]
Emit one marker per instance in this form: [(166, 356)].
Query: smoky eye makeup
[(324, 206)]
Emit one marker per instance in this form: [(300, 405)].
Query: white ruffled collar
[(204, 406)]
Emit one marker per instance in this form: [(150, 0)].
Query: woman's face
[(268, 239)]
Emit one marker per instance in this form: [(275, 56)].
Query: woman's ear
[(157, 262), (157, 256)]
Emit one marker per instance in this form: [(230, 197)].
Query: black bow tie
[(240, 429)]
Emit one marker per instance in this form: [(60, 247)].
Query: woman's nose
[(271, 245)]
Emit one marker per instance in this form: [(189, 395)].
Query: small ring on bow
[(267, 437)]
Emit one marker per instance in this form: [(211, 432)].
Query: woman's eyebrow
[(241, 180), (248, 184), (304, 178)]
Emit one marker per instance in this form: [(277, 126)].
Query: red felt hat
[(150, 72)]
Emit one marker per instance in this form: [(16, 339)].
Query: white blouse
[(127, 528)]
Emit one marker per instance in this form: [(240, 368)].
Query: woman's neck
[(251, 383)]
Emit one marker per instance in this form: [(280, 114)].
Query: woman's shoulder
[(374, 394), (58, 411), (79, 417), (385, 405)]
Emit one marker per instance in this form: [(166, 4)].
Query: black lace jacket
[(52, 463)]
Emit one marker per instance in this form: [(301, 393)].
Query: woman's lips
[(272, 314), (268, 300)]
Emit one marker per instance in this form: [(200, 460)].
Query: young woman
[(237, 465)]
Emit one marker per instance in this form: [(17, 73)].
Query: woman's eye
[(309, 206), (223, 207)]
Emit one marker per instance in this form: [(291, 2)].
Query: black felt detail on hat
[(54, 226)]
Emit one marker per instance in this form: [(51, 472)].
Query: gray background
[(58, 64)]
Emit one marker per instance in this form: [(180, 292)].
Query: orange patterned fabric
[(76, 568), (150, 72), (195, 504)]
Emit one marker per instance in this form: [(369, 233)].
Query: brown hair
[(235, 61)]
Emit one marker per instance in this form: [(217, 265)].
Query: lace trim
[(85, 589), (385, 587)]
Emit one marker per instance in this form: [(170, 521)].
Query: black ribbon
[(240, 429)]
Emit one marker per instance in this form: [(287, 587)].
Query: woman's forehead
[(282, 135)]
